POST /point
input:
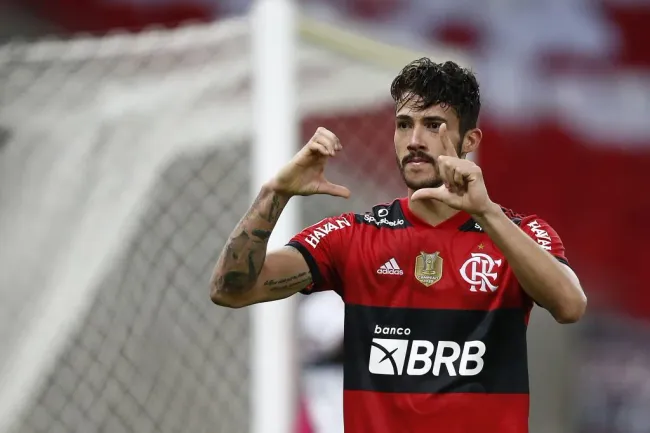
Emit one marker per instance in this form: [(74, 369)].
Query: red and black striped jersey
[(435, 320)]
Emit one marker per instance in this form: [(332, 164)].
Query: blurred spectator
[(615, 382), (321, 326)]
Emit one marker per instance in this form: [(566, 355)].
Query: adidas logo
[(390, 268)]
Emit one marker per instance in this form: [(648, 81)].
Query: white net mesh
[(123, 170)]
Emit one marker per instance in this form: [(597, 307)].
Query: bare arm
[(245, 274), (551, 284)]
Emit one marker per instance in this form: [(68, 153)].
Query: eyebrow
[(425, 118)]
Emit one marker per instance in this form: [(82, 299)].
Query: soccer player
[(438, 285)]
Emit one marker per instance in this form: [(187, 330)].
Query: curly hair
[(439, 83)]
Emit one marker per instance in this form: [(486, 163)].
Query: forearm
[(541, 275), (241, 259)]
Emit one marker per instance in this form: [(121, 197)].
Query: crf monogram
[(480, 272)]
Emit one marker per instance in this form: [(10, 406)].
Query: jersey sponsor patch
[(541, 236), (471, 226), (386, 215), (435, 351), (326, 226), (388, 357)]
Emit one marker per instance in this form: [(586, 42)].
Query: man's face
[(418, 144)]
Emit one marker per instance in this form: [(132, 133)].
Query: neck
[(430, 211)]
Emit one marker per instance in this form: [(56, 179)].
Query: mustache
[(418, 155)]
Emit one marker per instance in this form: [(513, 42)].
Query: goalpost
[(128, 161), (274, 366)]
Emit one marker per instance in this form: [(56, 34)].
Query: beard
[(432, 181)]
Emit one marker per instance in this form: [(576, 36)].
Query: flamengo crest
[(481, 272)]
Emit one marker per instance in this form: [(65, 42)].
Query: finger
[(329, 144), (318, 147), (335, 190), (459, 179), (441, 194), (326, 133), (447, 144), (445, 170), (458, 176), (329, 137)]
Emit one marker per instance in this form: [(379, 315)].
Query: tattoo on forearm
[(275, 210), (243, 255), (236, 244), (262, 234), (302, 279)]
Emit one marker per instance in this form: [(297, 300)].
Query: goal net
[(124, 165)]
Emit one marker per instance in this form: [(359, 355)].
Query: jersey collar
[(454, 222)]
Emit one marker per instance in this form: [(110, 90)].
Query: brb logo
[(480, 272), (393, 357)]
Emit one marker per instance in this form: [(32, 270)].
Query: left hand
[(463, 186)]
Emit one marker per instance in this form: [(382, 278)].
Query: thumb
[(333, 189), (441, 193)]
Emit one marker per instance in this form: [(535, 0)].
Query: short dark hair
[(439, 83)]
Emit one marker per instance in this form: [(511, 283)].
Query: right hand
[(305, 173)]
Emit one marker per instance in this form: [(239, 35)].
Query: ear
[(471, 141)]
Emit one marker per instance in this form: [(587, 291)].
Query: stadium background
[(124, 165)]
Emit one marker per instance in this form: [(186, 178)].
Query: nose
[(415, 140)]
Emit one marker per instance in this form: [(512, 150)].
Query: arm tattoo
[(299, 280), (275, 210), (241, 259), (262, 234)]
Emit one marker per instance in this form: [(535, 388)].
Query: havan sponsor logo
[(323, 230), (541, 235)]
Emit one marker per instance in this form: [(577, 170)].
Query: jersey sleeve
[(323, 245), (545, 236)]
